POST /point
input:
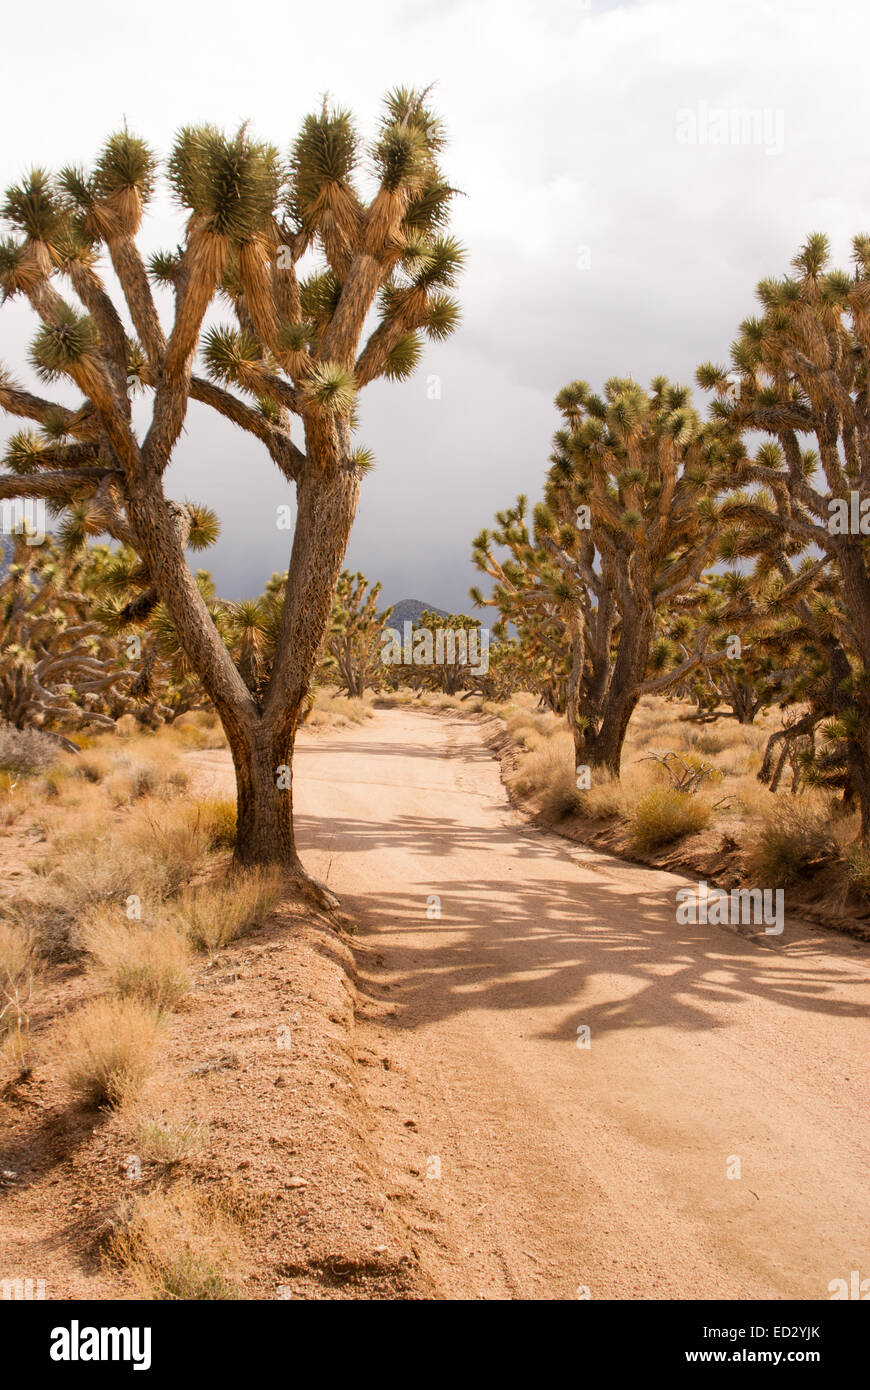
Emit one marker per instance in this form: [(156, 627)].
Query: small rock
[(296, 1182)]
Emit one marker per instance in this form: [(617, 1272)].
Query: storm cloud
[(628, 173)]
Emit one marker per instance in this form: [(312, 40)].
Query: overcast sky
[(614, 224)]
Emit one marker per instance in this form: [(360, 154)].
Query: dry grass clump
[(439, 699), (144, 764), (751, 798), (547, 765), (109, 1050), (857, 869), (19, 961), (391, 699), (547, 770), (662, 815), (331, 710), (733, 752), (217, 913), (151, 851), (197, 730), (561, 797), (17, 797), (174, 839), (521, 724), (18, 958), (149, 963), (723, 736), (178, 1245), (95, 871), (605, 799), (214, 817), (739, 761), (168, 1139), (151, 771), (94, 767), (793, 841)]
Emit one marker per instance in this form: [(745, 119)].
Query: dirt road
[(529, 1166)]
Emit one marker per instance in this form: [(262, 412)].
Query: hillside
[(409, 610)]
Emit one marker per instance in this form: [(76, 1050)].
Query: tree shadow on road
[(529, 941)]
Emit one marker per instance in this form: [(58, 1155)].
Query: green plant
[(662, 815)]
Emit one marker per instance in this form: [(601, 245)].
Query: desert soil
[(406, 1111), (522, 1164)]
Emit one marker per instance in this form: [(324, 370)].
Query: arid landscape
[(399, 1104), (434, 674)]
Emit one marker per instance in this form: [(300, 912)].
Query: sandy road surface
[(565, 1168)]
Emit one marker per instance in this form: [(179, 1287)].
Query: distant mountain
[(408, 610)]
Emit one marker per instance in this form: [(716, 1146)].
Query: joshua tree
[(60, 667), (352, 652), (529, 600), (297, 351), (446, 653), (760, 659), (627, 526), (799, 370)]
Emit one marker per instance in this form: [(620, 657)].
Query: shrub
[(109, 1049), (178, 1245), (792, 842), (213, 916), (548, 765), (858, 869), (16, 797), (18, 962), (662, 815), (171, 839), (92, 767), (26, 752), (604, 800), (168, 1140), (197, 730), (561, 798), (331, 710), (215, 818), (147, 963)]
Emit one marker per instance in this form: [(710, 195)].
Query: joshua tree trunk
[(264, 798), (604, 750), (599, 735), (262, 740), (859, 769)]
